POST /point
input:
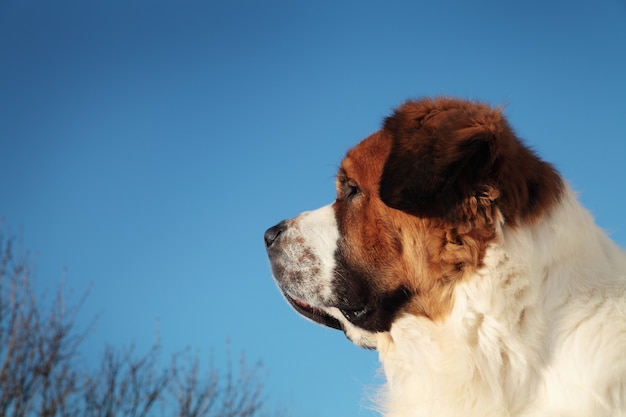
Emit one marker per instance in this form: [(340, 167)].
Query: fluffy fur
[(469, 264), (539, 330)]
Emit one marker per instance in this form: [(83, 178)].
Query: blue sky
[(145, 146)]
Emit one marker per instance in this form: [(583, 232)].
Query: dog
[(471, 267)]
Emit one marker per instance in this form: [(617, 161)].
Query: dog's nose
[(272, 234)]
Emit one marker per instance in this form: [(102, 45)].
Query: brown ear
[(445, 151), (442, 151)]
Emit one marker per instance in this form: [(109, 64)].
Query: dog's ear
[(443, 151)]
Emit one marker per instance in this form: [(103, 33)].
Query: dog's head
[(418, 202)]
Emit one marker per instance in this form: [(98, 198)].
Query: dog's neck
[(488, 354)]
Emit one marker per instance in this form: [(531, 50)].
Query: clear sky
[(146, 145)]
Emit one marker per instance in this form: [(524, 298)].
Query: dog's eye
[(347, 188), (350, 189)]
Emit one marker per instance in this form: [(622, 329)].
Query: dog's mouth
[(355, 316), (313, 313)]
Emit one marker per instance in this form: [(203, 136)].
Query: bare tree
[(235, 394), (125, 385), (194, 397), (36, 347), (39, 376)]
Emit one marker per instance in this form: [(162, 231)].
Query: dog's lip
[(355, 316), (313, 313)]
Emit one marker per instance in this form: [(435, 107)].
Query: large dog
[(469, 264)]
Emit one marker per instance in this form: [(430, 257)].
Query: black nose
[(272, 234)]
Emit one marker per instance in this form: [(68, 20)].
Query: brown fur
[(419, 201)]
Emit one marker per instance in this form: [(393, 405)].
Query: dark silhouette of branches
[(242, 395), (125, 385), (193, 397), (40, 376), (35, 346)]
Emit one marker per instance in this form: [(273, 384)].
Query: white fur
[(319, 234), (314, 237), (540, 330)]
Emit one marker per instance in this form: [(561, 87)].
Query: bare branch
[(39, 377)]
